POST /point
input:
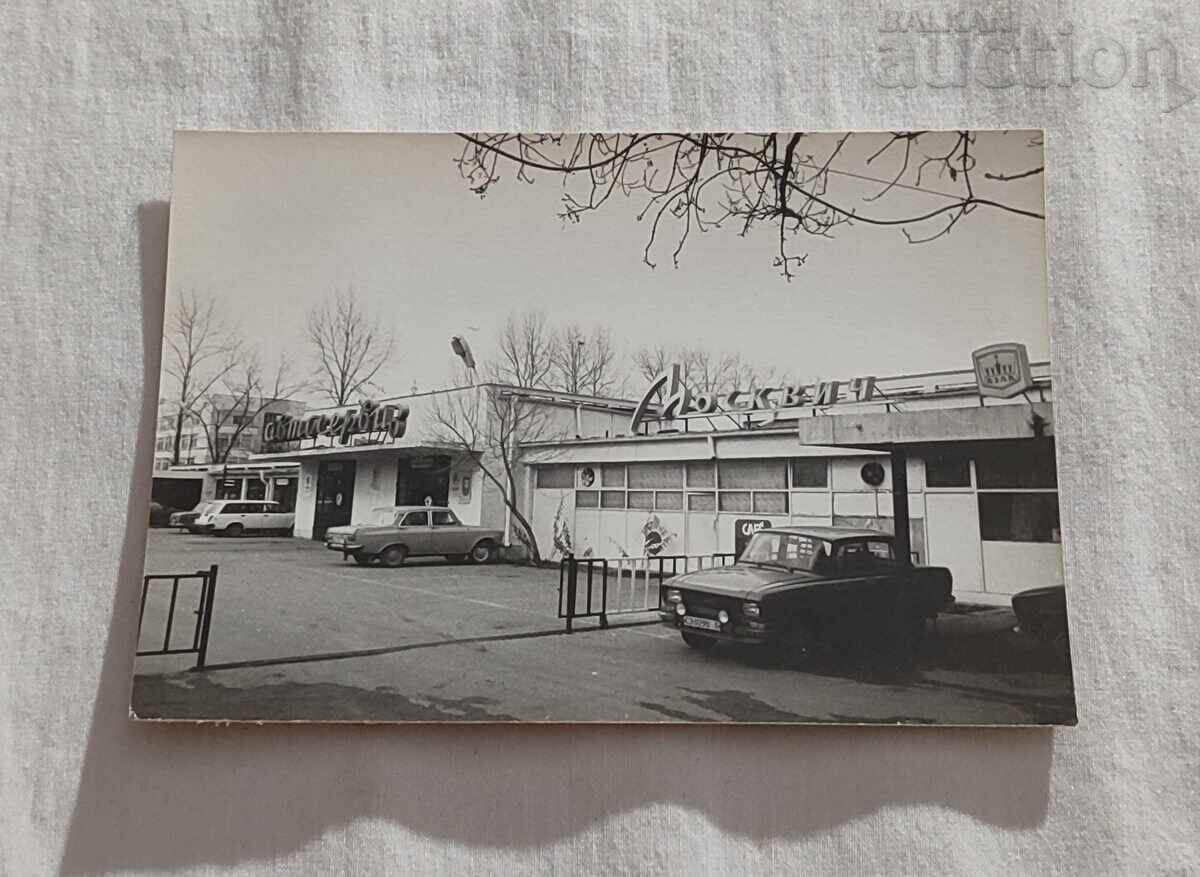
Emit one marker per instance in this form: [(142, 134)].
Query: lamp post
[(463, 351)]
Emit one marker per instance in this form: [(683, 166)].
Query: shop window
[(655, 475), (612, 499), (702, 502), (668, 500), (1019, 517), (230, 488), (560, 476), (1027, 463), (752, 474), (810, 473), (701, 475), (734, 501), (587, 499), (770, 502), (256, 489), (641, 499), (612, 475), (947, 471)]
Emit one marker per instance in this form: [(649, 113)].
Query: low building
[(966, 458)]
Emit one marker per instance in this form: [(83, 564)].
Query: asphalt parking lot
[(298, 634)]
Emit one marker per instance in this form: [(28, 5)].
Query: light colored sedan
[(393, 534)]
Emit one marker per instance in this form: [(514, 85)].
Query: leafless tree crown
[(349, 346), (792, 181)]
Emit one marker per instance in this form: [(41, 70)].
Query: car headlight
[(723, 617), (680, 609), (673, 596), (751, 610)]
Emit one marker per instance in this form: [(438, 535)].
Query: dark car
[(794, 587), (1042, 613), (160, 515), (187, 520)]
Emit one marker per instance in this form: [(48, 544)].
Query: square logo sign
[(1002, 370)]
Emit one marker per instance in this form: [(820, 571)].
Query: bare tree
[(198, 352), (350, 347), (526, 351), (704, 371), (584, 362), (795, 182), (489, 423), (231, 409)]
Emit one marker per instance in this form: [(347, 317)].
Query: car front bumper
[(346, 548), (734, 631)]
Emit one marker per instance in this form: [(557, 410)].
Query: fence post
[(604, 592), (206, 617), (572, 583)]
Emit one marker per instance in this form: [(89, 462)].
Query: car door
[(449, 535), (865, 588), (415, 533), (255, 517), (274, 518)]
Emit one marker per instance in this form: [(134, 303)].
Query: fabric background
[(91, 93)]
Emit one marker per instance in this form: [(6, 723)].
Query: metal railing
[(202, 627), (585, 589)]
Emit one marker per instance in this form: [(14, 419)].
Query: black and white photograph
[(636, 427)]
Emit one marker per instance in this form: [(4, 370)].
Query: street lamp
[(463, 351)]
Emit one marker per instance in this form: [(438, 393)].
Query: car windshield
[(382, 516), (788, 550), (211, 508)]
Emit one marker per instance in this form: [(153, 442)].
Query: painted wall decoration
[(563, 544), (656, 538)]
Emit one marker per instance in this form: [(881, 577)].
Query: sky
[(271, 225)]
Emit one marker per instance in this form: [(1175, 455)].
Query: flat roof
[(829, 534)]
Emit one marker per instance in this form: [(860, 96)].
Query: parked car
[(1042, 613), (160, 515), (393, 534), (186, 520), (233, 517), (795, 587)]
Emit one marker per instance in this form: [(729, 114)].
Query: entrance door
[(952, 534), (335, 495)]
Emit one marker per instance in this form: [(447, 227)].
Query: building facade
[(674, 473)]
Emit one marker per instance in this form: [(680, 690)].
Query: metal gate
[(202, 626), (597, 587)]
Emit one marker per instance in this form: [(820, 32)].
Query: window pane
[(668, 499), (650, 475), (444, 519), (702, 502), (587, 499), (559, 476), (761, 474), (415, 519), (810, 473), (612, 499), (701, 475), (1024, 464), (731, 501), (256, 489), (1018, 517), (612, 475), (770, 503), (947, 472), (641, 499)]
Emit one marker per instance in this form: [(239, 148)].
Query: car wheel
[(393, 555), (699, 643), (361, 559), (234, 530), (484, 552)]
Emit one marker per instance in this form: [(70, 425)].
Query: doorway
[(418, 478), (335, 495)]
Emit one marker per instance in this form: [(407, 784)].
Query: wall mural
[(656, 538), (563, 544)]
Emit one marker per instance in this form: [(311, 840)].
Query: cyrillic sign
[(678, 401), (341, 426)]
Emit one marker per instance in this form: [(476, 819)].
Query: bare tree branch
[(349, 347)]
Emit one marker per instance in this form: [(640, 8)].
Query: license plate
[(702, 623)]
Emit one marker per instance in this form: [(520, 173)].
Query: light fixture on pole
[(463, 351)]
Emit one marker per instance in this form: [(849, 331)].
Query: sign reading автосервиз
[(370, 417), (678, 401)]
